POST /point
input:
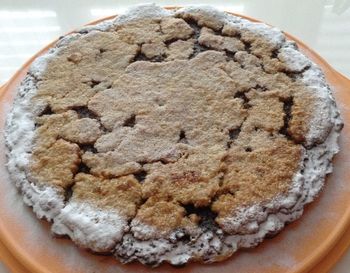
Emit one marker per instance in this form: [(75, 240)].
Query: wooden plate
[(27, 246)]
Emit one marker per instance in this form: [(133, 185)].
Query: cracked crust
[(177, 134)]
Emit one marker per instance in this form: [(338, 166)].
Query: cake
[(171, 135)]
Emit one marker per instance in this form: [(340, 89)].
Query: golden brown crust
[(301, 111), (122, 194), (153, 50), (175, 28), (180, 49), (56, 165), (164, 114), (209, 39), (266, 112), (72, 78), (193, 179), (164, 214), (50, 127), (257, 169), (82, 131)]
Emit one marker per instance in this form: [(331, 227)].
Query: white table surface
[(28, 25)]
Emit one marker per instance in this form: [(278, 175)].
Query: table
[(28, 25)]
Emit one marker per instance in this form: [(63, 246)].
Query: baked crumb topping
[(209, 114), (172, 135)]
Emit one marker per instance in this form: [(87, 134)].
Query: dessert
[(172, 136)]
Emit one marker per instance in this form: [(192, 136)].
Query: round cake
[(171, 135)]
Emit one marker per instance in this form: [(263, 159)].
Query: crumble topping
[(176, 134)]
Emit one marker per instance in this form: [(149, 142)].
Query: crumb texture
[(174, 136)]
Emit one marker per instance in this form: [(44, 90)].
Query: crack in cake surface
[(287, 108)]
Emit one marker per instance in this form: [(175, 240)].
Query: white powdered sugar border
[(90, 227), (45, 200), (83, 222), (143, 11)]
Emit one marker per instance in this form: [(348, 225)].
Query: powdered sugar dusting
[(208, 12), (45, 200), (142, 12), (293, 59), (89, 226), (143, 231), (324, 117)]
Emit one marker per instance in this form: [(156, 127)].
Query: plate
[(27, 245)]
